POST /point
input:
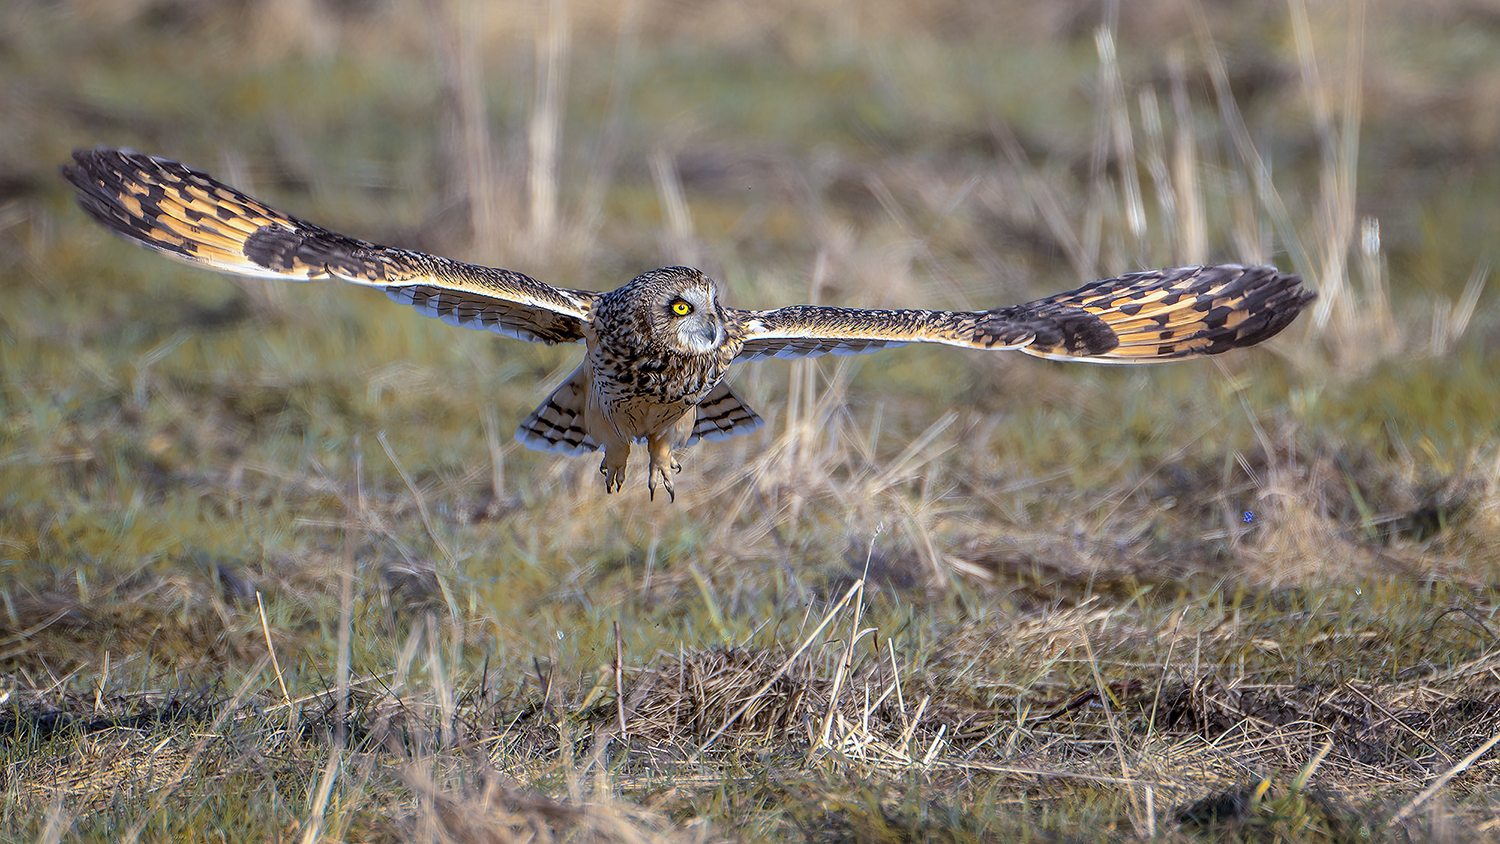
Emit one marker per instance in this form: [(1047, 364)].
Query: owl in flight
[(658, 347)]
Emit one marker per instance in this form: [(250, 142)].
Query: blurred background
[(995, 132)]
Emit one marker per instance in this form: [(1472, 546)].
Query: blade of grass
[(828, 618)]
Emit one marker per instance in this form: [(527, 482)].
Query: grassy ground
[(273, 568)]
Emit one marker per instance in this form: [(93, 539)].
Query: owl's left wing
[(1142, 317), (189, 216)]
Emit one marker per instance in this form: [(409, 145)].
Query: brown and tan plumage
[(659, 346)]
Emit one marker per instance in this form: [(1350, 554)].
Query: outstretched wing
[(1142, 317), (187, 215)]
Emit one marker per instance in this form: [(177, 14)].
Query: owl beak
[(712, 333)]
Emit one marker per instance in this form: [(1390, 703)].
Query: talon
[(676, 467), (661, 476), (614, 480)]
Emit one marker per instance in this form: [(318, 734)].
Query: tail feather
[(557, 423), (723, 414), (1168, 314)]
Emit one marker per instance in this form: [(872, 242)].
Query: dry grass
[(272, 569)]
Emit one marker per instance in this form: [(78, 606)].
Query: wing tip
[(1169, 314)]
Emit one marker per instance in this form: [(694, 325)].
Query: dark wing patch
[(187, 215)]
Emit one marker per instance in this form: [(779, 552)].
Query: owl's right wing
[(189, 216), (1142, 317)]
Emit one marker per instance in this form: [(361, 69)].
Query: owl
[(657, 348)]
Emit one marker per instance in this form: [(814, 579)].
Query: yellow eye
[(681, 308)]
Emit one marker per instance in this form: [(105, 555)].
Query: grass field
[(273, 568)]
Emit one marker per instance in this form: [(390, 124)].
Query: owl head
[(680, 310)]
